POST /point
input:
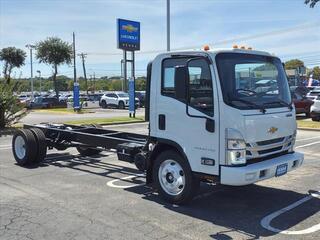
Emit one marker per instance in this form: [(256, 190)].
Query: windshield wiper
[(281, 102), (260, 107)]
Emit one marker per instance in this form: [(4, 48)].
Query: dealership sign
[(128, 35)]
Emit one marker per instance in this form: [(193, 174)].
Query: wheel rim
[(171, 177), (20, 147)]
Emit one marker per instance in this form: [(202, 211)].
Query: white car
[(314, 93), (116, 99), (315, 109)]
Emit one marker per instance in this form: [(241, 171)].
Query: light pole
[(39, 72), (168, 25), (31, 47)]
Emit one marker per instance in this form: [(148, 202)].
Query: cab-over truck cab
[(210, 119)]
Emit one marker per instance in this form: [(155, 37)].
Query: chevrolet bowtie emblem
[(272, 130), (129, 28)]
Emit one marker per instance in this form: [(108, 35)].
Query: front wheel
[(173, 178)]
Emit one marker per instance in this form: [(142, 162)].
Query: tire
[(87, 151), (308, 115), (104, 104), (316, 119), (179, 187), (121, 105), (24, 147), (41, 142)]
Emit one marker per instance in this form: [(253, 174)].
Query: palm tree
[(12, 57), (54, 51)]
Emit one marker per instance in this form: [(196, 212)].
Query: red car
[(301, 103)]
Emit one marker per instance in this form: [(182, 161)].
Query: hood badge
[(272, 130)]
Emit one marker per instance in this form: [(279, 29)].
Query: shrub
[(10, 108)]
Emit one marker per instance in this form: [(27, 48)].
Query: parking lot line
[(309, 144), (265, 222), (306, 139), (112, 182)]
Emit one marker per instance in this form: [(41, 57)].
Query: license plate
[(281, 169)]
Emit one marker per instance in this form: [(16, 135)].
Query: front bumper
[(239, 176)]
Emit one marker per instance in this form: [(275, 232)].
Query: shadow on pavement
[(239, 209)]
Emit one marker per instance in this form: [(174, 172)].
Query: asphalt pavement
[(74, 197)]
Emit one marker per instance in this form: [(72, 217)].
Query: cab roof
[(215, 51)]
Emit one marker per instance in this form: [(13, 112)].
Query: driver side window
[(200, 86)]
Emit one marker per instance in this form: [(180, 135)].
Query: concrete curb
[(309, 129)]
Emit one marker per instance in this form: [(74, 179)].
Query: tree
[(54, 51), (12, 57), (294, 64), (312, 3), (10, 110), (316, 73)]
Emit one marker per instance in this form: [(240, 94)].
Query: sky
[(287, 28)]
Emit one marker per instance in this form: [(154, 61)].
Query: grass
[(105, 121), (62, 111), (308, 124)]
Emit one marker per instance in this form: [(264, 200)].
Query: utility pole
[(39, 72), (94, 82), (31, 47), (168, 25), (83, 56)]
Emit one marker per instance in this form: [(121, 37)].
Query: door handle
[(210, 125)]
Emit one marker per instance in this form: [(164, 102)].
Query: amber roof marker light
[(206, 48)]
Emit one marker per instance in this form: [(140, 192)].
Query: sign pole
[(125, 88), (134, 83)]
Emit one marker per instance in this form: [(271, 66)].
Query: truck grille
[(268, 147), (267, 142)]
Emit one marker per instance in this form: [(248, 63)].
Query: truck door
[(193, 122)]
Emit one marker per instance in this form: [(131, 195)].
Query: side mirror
[(181, 77)]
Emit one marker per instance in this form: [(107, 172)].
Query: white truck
[(207, 122)]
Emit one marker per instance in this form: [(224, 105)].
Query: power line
[(300, 27)]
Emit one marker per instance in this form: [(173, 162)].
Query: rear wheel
[(104, 104), (308, 115), (24, 147), (41, 142), (173, 178), (121, 105)]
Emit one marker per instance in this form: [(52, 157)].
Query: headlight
[(236, 144), (236, 148)]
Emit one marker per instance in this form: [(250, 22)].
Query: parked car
[(301, 103), (46, 102), (117, 99), (315, 109), (141, 95), (24, 99), (314, 93), (64, 97)]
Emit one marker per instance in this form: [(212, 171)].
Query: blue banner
[(76, 90), (131, 95), (128, 35)]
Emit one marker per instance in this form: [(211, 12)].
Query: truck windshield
[(251, 81)]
